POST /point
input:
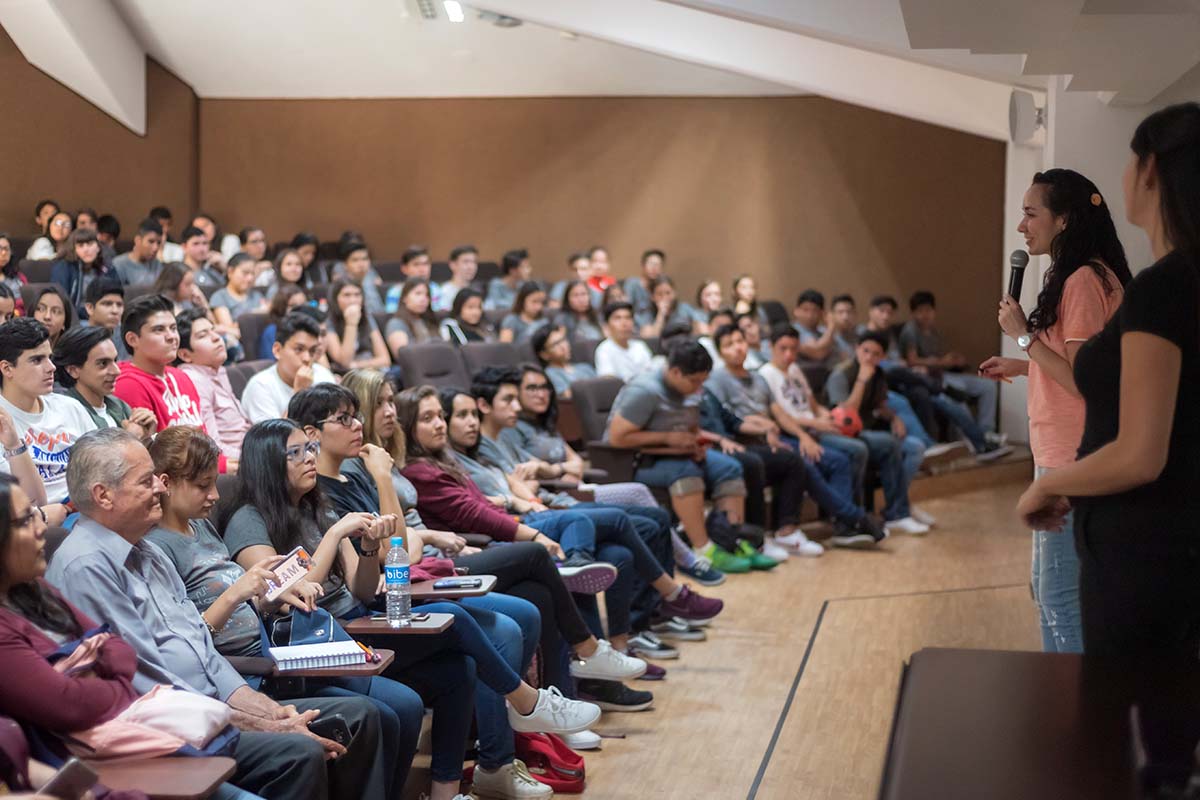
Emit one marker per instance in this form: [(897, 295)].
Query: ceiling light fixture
[(454, 10)]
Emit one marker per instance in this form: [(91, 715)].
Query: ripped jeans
[(1054, 584)]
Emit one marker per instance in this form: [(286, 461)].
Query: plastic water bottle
[(399, 592)]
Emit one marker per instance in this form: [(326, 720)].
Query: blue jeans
[(717, 472), (903, 409), (983, 391), (831, 484), (574, 531), (856, 451), (513, 626), (897, 461), (1054, 583), (960, 416)]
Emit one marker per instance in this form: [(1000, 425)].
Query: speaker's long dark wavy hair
[(34, 600), (1172, 136), (1088, 240)]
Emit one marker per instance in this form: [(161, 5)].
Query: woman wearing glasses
[(57, 229)]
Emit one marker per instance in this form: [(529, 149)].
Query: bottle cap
[(397, 541)]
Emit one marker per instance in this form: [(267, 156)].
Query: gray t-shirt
[(651, 405), (743, 396), (893, 349), (490, 480), (207, 570), (561, 378), (549, 447), (521, 329), (133, 273), (416, 332), (683, 313), (250, 303), (927, 343), (404, 489), (247, 528)]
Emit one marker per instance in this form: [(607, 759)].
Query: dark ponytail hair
[(34, 600), (1172, 136), (1089, 239)]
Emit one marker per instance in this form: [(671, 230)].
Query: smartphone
[(416, 617), (289, 572), (71, 782), (458, 583), (333, 728)]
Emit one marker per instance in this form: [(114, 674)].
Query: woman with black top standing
[(1134, 487)]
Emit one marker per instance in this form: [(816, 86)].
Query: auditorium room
[(509, 399)]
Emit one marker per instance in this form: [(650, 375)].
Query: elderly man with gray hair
[(107, 569)]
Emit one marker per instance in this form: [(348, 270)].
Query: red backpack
[(551, 762)]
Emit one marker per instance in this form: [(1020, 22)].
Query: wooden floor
[(792, 695)]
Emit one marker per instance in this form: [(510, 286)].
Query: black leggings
[(783, 471), (525, 570)]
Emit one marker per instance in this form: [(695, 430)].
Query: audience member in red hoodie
[(149, 380)]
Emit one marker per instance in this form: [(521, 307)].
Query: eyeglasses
[(62, 223), (299, 453), (538, 387), (24, 521), (345, 419), (5, 248)]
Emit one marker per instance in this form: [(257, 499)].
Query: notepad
[(318, 656)]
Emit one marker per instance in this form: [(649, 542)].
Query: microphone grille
[(1019, 259)]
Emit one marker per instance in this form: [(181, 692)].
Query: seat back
[(436, 363), (54, 539), (252, 325), (240, 374), (389, 271), (583, 351), (594, 398), (776, 312), (477, 355), (35, 270)]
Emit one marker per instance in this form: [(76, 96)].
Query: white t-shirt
[(623, 362), (266, 396), (49, 436), (102, 412), (790, 390)]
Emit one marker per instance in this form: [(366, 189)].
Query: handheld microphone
[(1017, 263)]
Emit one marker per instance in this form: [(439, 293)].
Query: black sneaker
[(862, 535), (613, 695), (869, 525), (582, 575)]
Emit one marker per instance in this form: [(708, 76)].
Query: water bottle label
[(396, 574)]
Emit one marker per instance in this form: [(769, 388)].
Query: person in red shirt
[(600, 279), (148, 380)]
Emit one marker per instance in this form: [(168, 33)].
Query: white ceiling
[(384, 48)]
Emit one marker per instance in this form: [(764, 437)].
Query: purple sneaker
[(653, 671), (690, 605)]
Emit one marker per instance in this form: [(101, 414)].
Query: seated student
[(108, 231), (202, 357), (815, 327), (278, 504), (201, 261), (414, 263), (580, 267), (354, 340), (41, 426), (287, 269), (621, 355), (110, 572), (522, 569), (86, 365), (297, 350), (637, 287), (860, 385), (35, 621), (224, 245), (577, 314), (466, 322), (231, 599), (79, 263), (58, 227), (758, 349), (553, 349), (414, 321), (657, 413), (178, 284), (53, 309), (600, 277), (104, 303), (515, 269), (745, 301), (253, 242), (11, 276), (666, 310), (8, 303), (843, 313), (708, 302), (464, 266), (168, 251), (448, 499), (922, 346), (526, 314), (718, 319), (286, 299), (356, 267), (315, 271), (238, 296), (140, 266)]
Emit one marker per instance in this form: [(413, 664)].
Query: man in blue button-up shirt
[(107, 569)]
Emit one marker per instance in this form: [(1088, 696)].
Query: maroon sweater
[(32, 692), (447, 505)]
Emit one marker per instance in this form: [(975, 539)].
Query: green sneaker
[(757, 560), (724, 560)]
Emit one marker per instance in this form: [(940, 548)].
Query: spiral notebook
[(318, 656)]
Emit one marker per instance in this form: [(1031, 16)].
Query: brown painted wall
[(801, 191), (53, 143)]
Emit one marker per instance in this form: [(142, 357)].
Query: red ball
[(848, 421)]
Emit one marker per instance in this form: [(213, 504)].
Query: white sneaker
[(906, 525), (510, 782), (924, 517), (944, 453), (555, 714), (584, 740), (996, 438), (800, 544), (771, 549), (606, 664)]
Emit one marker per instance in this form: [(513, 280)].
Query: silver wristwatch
[(1025, 341)]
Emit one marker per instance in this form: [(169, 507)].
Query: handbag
[(551, 762), (306, 627)]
